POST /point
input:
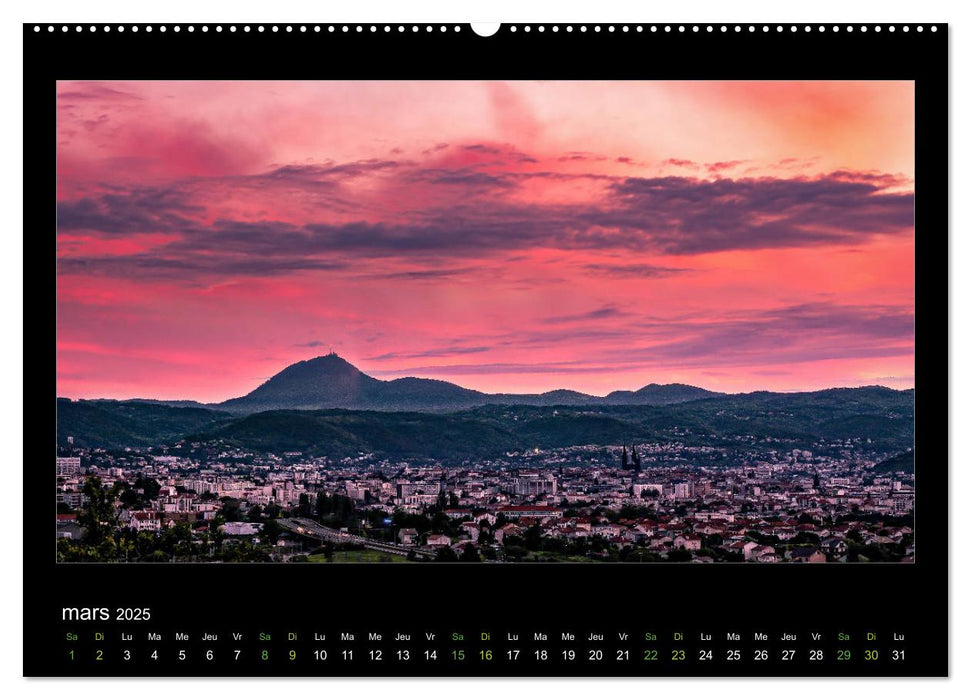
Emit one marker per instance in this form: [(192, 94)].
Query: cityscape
[(699, 495), (541, 506)]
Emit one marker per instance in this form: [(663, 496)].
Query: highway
[(309, 528)]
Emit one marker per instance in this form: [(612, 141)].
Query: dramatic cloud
[(683, 215), (671, 215), (142, 210)]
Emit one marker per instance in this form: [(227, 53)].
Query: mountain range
[(326, 406), (330, 381)]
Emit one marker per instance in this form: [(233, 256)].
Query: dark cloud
[(681, 163), (482, 148), (723, 165), (503, 152), (330, 171), (581, 156), (881, 180), (435, 149), (437, 273), (142, 266), (593, 315), (463, 177), (689, 216), (670, 215), (92, 124), (633, 270), (141, 210)]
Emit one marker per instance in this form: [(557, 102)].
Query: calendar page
[(566, 350)]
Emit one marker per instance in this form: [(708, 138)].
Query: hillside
[(120, 424), (903, 462), (338, 433), (881, 418)]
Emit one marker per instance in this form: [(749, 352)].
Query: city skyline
[(507, 237)]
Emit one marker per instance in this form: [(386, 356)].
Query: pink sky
[(517, 237)]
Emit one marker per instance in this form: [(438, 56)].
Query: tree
[(679, 554), (533, 537), (469, 553), (446, 554), (231, 510), (150, 487), (100, 518), (271, 532), (304, 507)]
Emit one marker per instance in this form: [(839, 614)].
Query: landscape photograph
[(525, 322)]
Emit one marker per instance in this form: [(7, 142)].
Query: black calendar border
[(611, 596)]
